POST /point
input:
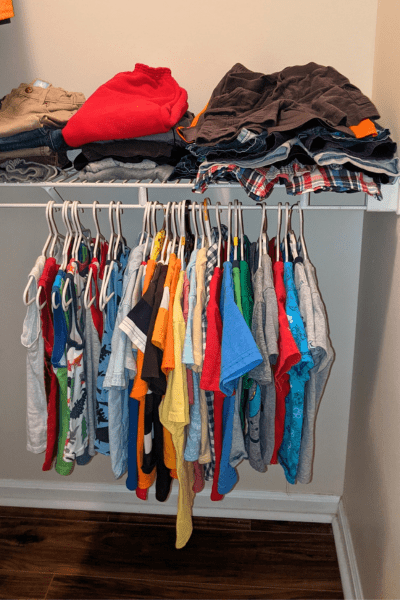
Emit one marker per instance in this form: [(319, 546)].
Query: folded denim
[(130, 148), (30, 107), (169, 137), (246, 143), (186, 168), (43, 156), (18, 170), (259, 183), (36, 138), (320, 139), (134, 171), (337, 156)]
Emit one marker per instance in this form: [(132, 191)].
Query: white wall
[(372, 485), (78, 46)]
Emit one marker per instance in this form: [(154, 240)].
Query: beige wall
[(372, 484), (78, 45)]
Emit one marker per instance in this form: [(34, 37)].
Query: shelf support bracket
[(53, 193), (143, 195)]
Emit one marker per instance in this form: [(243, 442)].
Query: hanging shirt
[(59, 362), (212, 369), (51, 383), (265, 330), (77, 439), (138, 392), (288, 356), (289, 451), (323, 356), (32, 340), (239, 352), (119, 373), (174, 415), (102, 444)]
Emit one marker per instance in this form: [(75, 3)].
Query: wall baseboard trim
[(238, 504), (347, 560)]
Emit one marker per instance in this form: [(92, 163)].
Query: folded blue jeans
[(43, 136)]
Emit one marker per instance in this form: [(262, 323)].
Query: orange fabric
[(139, 391), (364, 128), (150, 268), (192, 124), (6, 10), (160, 326), (168, 362)]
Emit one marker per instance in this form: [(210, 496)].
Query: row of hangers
[(178, 234)]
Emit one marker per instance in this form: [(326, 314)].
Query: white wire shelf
[(69, 179)]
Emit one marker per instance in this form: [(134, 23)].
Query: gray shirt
[(323, 355)]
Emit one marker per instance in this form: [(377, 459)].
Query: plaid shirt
[(212, 260), (259, 183)]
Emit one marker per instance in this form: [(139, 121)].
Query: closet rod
[(209, 206)]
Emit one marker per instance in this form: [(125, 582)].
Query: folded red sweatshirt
[(132, 104)]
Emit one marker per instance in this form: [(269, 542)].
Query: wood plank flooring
[(54, 554)]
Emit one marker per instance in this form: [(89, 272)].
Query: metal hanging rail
[(209, 206)]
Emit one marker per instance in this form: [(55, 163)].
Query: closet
[(332, 227)]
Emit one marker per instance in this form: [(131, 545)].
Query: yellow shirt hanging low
[(174, 415)]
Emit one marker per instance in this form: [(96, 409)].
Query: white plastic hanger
[(104, 299), (109, 253), (119, 240), (167, 239), (286, 232), (144, 223), (241, 232), (182, 240), (78, 229), (262, 241), (67, 242), (203, 235), (57, 235), (278, 235), (25, 294), (148, 229), (303, 244), (207, 220), (75, 251), (228, 254), (292, 237), (235, 229), (218, 217), (194, 221), (99, 237), (171, 247), (153, 225)]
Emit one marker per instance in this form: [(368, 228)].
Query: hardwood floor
[(54, 554)]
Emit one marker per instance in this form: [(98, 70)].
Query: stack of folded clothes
[(127, 127), (306, 127), (32, 117)]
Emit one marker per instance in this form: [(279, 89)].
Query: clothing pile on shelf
[(306, 127), (127, 128), (179, 358), (32, 117)]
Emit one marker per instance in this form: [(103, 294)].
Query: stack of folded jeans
[(127, 129), (306, 122), (32, 117)]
